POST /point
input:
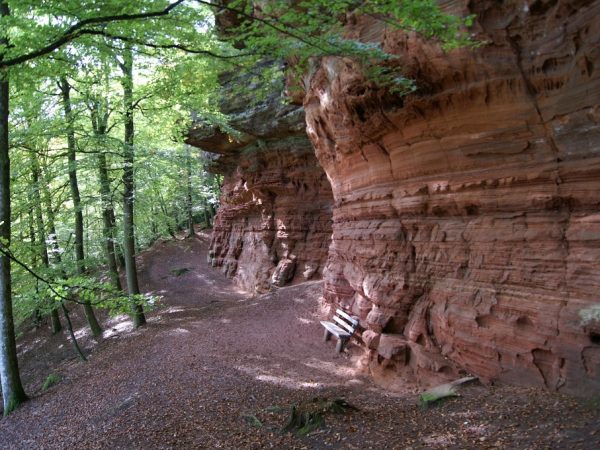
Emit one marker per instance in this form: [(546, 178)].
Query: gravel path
[(216, 368)]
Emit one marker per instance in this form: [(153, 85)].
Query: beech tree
[(38, 40), (65, 89), (12, 390), (126, 65)]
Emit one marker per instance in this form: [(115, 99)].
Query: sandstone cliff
[(273, 225), (466, 219), (466, 216)]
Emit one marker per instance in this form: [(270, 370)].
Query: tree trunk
[(79, 254), (129, 188), (168, 216), (108, 224), (56, 326), (206, 217), (37, 316), (153, 225), (100, 117), (71, 333), (13, 393), (189, 202)]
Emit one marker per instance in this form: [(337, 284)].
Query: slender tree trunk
[(209, 213), (189, 202), (47, 205), (37, 316), (119, 254), (58, 260), (153, 225), (168, 217), (129, 188), (100, 117), (79, 254), (108, 224), (56, 326), (13, 393), (71, 333), (206, 217)]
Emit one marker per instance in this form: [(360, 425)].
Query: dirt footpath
[(217, 368)]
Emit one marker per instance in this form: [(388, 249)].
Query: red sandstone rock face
[(466, 220), (273, 225), (274, 222)]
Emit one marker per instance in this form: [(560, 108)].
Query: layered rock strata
[(466, 218), (273, 225)]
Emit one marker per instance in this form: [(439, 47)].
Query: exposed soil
[(217, 368)]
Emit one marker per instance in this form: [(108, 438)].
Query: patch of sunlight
[(225, 320), (305, 321), (288, 382), (117, 319), (439, 440), (204, 278), (173, 309), (122, 327), (179, 331), (466, 414), (332, 368), (479, 430), (325, 99), (279, 380), (36, 342), (590, 314), (82, 332)]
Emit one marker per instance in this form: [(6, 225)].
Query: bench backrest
[(346, 321)]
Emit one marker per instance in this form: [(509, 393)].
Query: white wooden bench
[(343, 330)]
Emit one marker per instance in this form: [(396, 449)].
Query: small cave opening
[(360, 112), (594, 337)]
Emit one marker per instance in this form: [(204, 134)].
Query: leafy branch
[(80, 29)]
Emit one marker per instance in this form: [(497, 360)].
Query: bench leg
[(340, 345), (326, 335)]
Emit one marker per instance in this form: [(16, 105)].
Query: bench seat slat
[(346, 325), (347, 316), (334, 329)]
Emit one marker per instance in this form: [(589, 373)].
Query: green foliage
[(179, 271), (428, 398), (51, 381), (593, 403), (310, 415), (442, 391), (253, 421), (315, 28)]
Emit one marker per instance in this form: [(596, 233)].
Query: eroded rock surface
[(466, 219), (274, 220)]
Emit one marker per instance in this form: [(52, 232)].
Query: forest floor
[(218, 368)]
